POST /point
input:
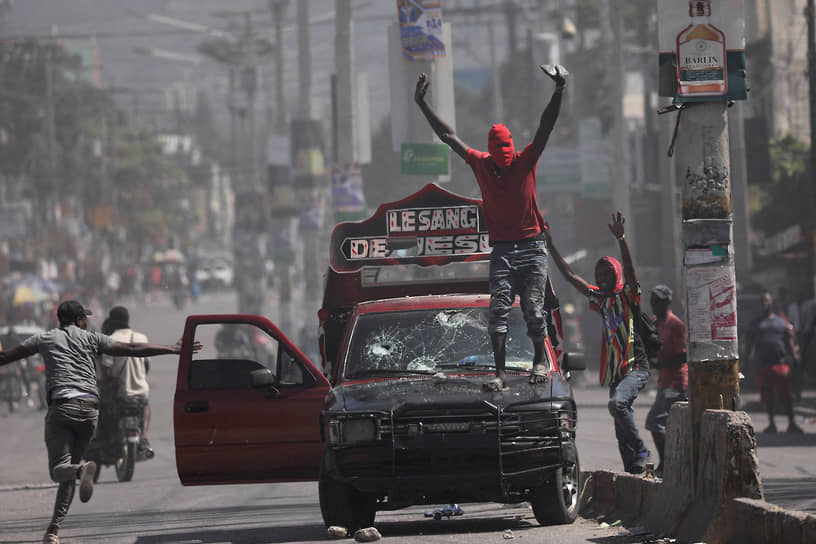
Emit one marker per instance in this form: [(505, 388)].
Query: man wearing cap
[(518, 261), (128, 375), (672, 378), (70, 352)]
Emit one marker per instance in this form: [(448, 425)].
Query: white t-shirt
[(131, 372)]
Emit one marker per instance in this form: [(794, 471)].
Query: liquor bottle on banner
[(701, 69)]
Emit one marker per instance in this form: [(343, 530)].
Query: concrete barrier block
[(674, 496), (809, 530), (628, 494), (603, 491), (649, 492)]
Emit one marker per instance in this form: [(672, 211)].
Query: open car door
[(247, 406)]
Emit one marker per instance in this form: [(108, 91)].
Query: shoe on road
[(86, 480), (794, 428), (50, 538)]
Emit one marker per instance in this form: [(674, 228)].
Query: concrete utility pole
[(810, 13), (619, 165), (703, 166)]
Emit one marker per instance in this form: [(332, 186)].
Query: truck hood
[(388, 395)]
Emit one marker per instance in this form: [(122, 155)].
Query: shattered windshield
[(429, 341)]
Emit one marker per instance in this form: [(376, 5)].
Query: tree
[(786, 198)]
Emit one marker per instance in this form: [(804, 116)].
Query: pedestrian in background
[(672, 377), (70, 352), (518, 261), (772, 351), (624, 365)]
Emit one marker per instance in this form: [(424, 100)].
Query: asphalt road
[(155, 508)]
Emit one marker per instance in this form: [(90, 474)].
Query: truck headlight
[(351, 430)]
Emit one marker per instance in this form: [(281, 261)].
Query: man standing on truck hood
[(518, 262)]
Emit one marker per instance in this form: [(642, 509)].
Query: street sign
[(424, 159)]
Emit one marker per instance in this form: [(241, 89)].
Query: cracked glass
[(430, 341)]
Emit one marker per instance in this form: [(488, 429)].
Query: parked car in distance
[(215, 273)]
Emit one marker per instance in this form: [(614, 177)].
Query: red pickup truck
[(395, 414)]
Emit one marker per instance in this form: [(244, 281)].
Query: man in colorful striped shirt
[(624, 365)]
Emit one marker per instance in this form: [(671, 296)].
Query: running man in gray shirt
[(69, 353)]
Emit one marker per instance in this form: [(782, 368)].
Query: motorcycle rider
[(125, 377)]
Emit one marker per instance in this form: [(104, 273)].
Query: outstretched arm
[(577, 281), (616, 227), (15, 354), (146, 349), (550, 114), (440, 127)]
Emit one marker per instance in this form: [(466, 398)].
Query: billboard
[(702, 50), (421, 29)]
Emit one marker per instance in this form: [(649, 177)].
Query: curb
[(720, 504), (743, 520)]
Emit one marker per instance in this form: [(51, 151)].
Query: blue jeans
[(69, 428), (622, 395), (519, 268)]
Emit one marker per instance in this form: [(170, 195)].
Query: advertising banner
[(430, 227), (424, 159), (421, 29), (348, 199), (702, 50)]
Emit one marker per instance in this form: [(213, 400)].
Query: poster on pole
[(702, 50), (712, 304), (348, 199), (421, 29)]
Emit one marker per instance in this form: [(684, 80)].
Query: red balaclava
[(502, 156), (616, 268)]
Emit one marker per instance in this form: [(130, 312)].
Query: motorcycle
[(116, 442)]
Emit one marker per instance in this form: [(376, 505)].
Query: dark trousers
[(622, 396), (69, 428)]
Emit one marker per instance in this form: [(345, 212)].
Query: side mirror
[(574, 360), (261, 377)]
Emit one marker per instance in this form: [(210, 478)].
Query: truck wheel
[(556, 502), (341, 504)]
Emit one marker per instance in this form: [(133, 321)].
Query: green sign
[(424, 159)]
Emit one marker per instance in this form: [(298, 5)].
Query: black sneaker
[(639, 464), (146, 449), (794, 428), (86, 480), (770, 429)]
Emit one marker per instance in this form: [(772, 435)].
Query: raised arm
[(15, 354), (440, 127), (550, 114), (616, 227), (577, 281), (146, 349)]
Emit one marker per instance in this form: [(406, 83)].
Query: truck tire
[(341, 504), (557, 501)]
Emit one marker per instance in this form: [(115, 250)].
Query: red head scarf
[(502, 155), (617, 269)]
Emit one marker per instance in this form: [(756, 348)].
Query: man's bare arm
[(616, 227), (577, 281), (146, 349), (440, 127), (15, 354)]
